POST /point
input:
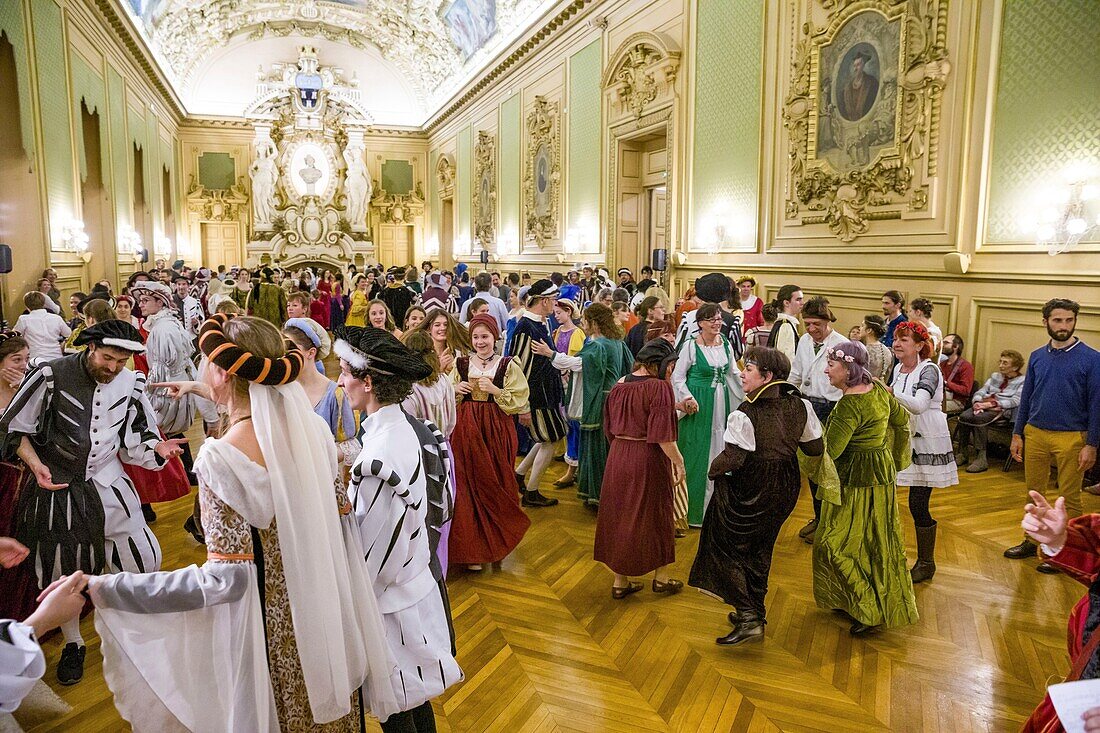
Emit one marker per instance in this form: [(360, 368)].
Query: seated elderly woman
[(997, 400)]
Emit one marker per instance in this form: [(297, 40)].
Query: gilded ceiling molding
[(862, 113), (485, 189), (550, 30), (542, 176)]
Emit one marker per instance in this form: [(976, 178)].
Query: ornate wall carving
[(643, 69), (542, 174), (445, 176), (485, 189), (862, 113)]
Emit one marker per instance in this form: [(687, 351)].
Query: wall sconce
[(130, 241), (432, 249), (1071, 212), (719, 234), (74, 236)]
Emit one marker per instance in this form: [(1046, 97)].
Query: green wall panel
[(217, 171), (726, 156), (1047, 110), (583, 159), (397, 177), (53, 96), (120, 147), (508, 191), (434, 205), (89, 89), (11, 24), (464, 176)]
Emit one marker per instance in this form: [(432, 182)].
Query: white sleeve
[(52, 306), (813, 429), (739, 431), (186, 589), (567, 363), (679, 374), (795, 376), (21, 663)]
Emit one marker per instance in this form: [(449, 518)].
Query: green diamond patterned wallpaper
[(726, 157), (464, 175), (11, 25), (53, 96), (511, 129), (116, 114), (1047, 112), (583, 161), (88, 87)]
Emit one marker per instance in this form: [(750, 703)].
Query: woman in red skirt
[(635, 528), (488, 522), (18, 583)]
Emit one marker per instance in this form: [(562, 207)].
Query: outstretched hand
[(170, 448), (12, 552), (1045, 523), (44, 478), (177, 390)]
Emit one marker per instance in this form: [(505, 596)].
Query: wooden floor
[(545, 648)]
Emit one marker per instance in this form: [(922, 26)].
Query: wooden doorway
[(394, 244), (641, 210), (221, 245)]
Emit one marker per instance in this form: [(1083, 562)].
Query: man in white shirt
[(808, 374), (187, 306), (483, 285), (784, 335), (43, 331)]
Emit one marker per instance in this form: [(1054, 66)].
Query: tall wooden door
[(630, 209), (221, 245), (657, 215), (394, 244)]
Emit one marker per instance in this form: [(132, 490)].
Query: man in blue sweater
[(1058, 421)]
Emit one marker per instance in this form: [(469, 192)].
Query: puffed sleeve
[(222, 579), (919, 399), (21, 663), (513, 397), (140, 437), (24, 414), (679, 374), (661, 425)]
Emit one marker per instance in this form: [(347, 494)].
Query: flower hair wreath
[(838, 355)]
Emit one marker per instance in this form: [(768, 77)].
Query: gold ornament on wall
[(485, 189), (862, 113), (445, 176), (541, 180)]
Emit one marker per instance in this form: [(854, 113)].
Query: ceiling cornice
[(127, 35), (240, 123), (550, 29)]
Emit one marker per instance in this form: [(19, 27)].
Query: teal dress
[(716, 385), (859, 551), (604, 362)]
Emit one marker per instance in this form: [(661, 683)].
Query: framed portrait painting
[(856, 102)]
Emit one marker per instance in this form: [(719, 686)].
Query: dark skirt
[(63, 529), (18, 585), (746, 512), (634, 527), (488, 522)]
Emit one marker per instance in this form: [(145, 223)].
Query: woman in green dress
[(707, 383), (602, 362), (859, 554)]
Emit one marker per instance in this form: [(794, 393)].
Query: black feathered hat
[(376, 350)]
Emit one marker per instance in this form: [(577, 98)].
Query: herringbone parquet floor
[(545, 648)]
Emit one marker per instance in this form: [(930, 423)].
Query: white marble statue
[(265, 174), (357, 185)]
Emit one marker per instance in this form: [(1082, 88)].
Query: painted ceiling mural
[(428, 47)]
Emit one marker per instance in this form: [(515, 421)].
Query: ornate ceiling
[(410, 56)]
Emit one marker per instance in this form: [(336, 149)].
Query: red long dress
[(488, 522), (1080, 560), (634, 527), (167, 484), (18, 585)]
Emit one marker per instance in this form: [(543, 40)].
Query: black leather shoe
[(192, 528), (734, 617), (809, 529), (148, 513), (521, 483), (1047, 568), (1025, 549), (749, 631), (70, 669), (861, 629), (535, 499)]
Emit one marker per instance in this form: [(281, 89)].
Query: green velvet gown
[(604, 362), (859, 552)]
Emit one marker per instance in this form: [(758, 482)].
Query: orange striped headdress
[(216, 347)]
